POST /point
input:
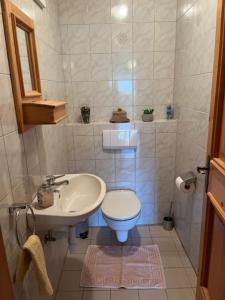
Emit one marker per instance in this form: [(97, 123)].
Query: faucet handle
[(50, 179)]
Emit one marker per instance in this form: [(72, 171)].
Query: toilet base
[(122, 227), (122, 235)]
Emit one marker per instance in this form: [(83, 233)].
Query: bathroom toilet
[(121, 210)]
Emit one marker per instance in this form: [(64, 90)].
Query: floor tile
[(176, 278), (158, 231), (174, 234), (140, 231), (171, 260), (165, 244), (142, 241), (74, 262), (70, 281), (185, 260), (124, 294), (101, 241), (96, 295), (69, 296), (178, 244), (81, 245), (152, 295), (180, 294), (103, 232), (191, 276)]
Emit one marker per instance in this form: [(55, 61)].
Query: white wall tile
[(121, 11), (77, 41), (98, 11), (165, 35), (80, 67), (122, 93), (7, 110), (143, 10), (125, 168), (72, 11), (84, 147), (122, 66), (163, 65), (121, 38), (106, 169), (3, 53), (143, 36), (100, 38), (143, 65), (101, 67), (165, 10), (195, 40), (144, 92)]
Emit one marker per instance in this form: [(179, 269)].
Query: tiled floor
[(180, 276)]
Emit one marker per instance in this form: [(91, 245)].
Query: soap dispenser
[(45, 196)]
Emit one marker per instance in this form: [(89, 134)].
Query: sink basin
[(73, 203)]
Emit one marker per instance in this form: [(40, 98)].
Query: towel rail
[(16, 209)]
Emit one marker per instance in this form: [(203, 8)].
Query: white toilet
[(121, 210)]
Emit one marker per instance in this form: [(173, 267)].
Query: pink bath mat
[(123, 267)]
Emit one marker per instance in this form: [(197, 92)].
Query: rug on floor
[(123, 267)]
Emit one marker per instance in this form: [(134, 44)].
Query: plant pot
[(147, 117)]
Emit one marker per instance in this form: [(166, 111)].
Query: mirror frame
[(13, 17)]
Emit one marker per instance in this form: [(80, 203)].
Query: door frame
[(215, 126), (6, 289)]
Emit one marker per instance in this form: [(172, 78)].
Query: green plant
[(148, 111)]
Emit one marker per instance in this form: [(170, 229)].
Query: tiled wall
[(24, 158), (118, 53), (149, 169), (195, 42)]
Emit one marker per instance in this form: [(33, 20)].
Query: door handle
[(202, 170)]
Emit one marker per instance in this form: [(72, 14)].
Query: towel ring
[(33, 230)]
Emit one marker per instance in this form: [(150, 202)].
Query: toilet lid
[(121, 205)]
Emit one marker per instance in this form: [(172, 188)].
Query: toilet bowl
[(121, 210)]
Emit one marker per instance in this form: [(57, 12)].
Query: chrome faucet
[(51, 180)]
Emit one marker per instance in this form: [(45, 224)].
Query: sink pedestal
[(72, 239)]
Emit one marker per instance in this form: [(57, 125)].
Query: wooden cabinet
[(43, 112)]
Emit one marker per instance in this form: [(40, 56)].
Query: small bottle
[(45, 196), (169, 112)]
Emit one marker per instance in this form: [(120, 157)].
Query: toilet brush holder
[(168, 222)]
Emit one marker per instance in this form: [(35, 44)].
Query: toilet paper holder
[(188, 178)]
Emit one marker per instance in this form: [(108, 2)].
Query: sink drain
[(72, 211)]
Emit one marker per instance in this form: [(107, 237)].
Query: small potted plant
[(147, 115)]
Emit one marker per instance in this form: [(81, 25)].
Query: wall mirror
[(31, 109), (23, 58), (28, 85)]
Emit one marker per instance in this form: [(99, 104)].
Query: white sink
[(74, 203)]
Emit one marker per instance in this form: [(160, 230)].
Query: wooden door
[(6, 290), (211, 278)]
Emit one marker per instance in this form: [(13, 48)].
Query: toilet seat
[(121, 205)]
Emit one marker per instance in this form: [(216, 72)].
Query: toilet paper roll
[(183, 187)]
